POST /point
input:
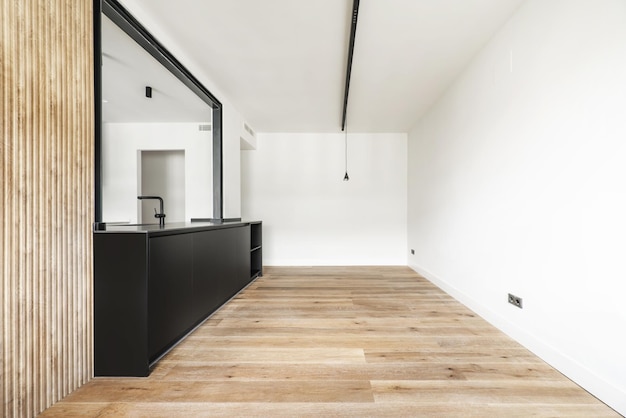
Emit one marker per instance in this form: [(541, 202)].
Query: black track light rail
[(355, 16)]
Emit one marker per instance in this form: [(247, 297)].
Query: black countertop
[(168, 229)]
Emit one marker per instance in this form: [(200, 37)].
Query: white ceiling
[(282, 63)]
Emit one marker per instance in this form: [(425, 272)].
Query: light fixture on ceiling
[(355, 15)]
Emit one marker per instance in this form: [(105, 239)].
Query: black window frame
[(122, 18)]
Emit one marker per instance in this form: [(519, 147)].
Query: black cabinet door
[(120, 304), (170, 291), (214, 269)]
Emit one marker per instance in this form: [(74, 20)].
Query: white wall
[(231, 116), (294, 184), (231, 164), (517, 183), (120, 145)]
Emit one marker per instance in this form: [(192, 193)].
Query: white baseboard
[(613, 396), (330, 263)]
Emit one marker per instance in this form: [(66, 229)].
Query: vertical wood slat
[(46, 203)]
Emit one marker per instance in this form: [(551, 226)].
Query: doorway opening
[(161, 173)]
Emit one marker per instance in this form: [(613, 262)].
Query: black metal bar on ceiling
[(355, 15)]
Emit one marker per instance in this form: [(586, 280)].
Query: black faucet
[(160, 216)]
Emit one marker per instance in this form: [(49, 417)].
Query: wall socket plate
[(515, 300)]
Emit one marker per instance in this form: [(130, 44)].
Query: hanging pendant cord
[(346, 177), (346, 150)]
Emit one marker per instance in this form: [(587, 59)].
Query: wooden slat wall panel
[(46, 203)]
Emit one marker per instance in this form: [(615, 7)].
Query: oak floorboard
[(297, 355), (338, 410), (276, 341), (197, 371), (341, 342), (359, 323), (453, 391), (488, 355)]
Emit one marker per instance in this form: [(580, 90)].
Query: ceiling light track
[(355, 15)]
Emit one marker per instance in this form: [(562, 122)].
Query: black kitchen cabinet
[(152, 286)]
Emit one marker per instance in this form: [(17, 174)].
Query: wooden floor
[(354, 342)]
